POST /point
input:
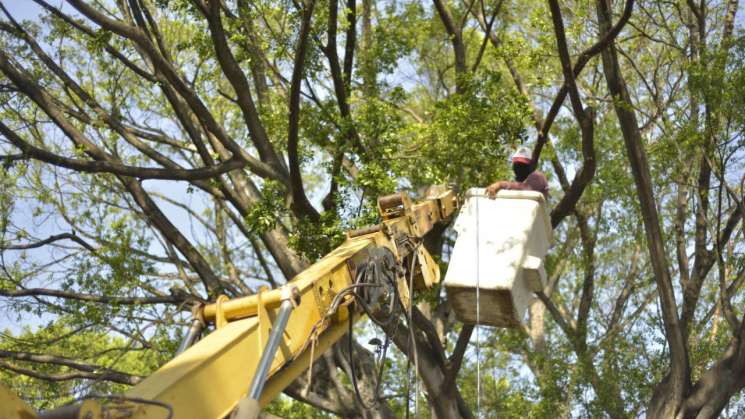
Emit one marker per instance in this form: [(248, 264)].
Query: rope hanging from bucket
[(478, 313), (411, 330)]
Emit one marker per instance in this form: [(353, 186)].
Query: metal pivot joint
[(197, 325)]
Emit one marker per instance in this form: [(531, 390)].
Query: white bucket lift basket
[(500, 249)]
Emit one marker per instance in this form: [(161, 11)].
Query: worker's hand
[(491, 190)]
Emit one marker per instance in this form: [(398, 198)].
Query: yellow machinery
[(261, 343)]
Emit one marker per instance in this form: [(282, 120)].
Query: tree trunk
[(671, 392), (434, 369)]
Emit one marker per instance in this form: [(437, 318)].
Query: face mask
[(521, 171)]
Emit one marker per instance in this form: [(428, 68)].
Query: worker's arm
[(536, 181), (491, 190)]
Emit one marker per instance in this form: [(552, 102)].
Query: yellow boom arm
[(210, 378)]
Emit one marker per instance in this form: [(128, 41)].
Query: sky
[(25, 9)]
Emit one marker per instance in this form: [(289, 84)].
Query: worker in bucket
[(526, 177)]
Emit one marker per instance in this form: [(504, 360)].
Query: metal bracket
[(264, 321), (394, 205), (430, 271), (220, 319)]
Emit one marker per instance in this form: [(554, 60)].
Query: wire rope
[(411, 331), (478, 312)]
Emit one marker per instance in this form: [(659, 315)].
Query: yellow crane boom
[(262, 342)]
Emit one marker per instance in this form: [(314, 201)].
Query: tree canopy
[(155, 154)]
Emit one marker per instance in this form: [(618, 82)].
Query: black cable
[(374, 274), (408, 385), (410, 325), (352, 371), (381, 362), (412, 331)]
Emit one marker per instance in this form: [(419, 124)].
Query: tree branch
[(85, 371), (300, 204), (556, 314), (238, 80), (113, 167), (456, 358), (91, 33), (679, 380), (585, 120), (50, 239), (582, 60), (102, 299), (171, 75), (456, 39)]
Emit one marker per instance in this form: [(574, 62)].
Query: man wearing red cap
[(527, 178)]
